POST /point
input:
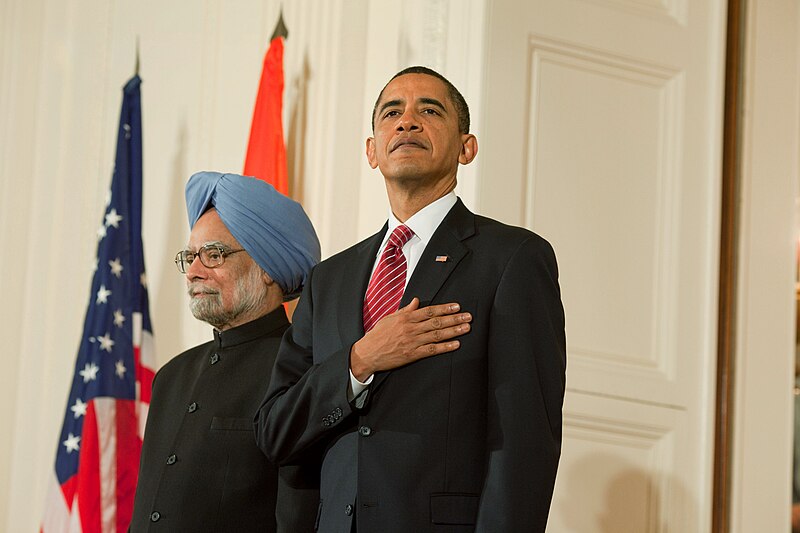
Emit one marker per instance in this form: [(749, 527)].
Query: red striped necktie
[(389, 279)]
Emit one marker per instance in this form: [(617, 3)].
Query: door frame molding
[(726, 332)]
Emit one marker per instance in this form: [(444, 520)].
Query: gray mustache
[(199, 289)]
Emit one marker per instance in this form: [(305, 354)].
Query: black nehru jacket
[(201, 470)]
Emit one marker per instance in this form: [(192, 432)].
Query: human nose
[(196, 269), (408, 122)]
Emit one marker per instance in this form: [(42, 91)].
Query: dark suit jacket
[(200, 469), (465, 441)]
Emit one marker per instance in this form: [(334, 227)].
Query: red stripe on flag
[(266, 152), (88, 476), (144, 376), (129, 446), (68, 490)]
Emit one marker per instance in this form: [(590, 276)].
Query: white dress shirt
[(423, 223)]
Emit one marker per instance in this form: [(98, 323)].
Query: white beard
[(249, 294)]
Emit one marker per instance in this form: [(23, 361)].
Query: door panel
[(602, 133)]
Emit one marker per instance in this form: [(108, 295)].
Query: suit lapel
[(441, 256), (351, 321)]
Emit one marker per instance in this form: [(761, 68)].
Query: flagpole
[(136, 69), (280, 28)]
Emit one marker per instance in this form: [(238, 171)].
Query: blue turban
[(272, 228)]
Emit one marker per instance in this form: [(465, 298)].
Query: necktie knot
[(400, 236)]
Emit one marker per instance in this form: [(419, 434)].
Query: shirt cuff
[(357, 387)]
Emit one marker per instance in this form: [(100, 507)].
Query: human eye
[(430, 111), (391, 113), (214, 254)]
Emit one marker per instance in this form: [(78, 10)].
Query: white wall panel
[(605, 123), (601, 184), (621, 468)]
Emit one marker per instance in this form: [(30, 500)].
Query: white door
[(602, 132)]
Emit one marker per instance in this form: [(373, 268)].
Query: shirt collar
[(425, 221), (260, 327)]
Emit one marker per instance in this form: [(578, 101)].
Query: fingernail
[(466, 317), (455, 307)]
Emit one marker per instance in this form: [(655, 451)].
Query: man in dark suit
[(201, 471), (444, 415)]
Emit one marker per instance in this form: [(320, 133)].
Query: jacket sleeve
[(526, 381), (305, 402)]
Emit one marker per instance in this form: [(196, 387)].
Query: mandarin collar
[(251, 330)]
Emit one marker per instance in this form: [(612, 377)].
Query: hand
[(407, 335)]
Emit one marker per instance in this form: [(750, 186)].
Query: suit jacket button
[(348, 510), (365, 431), (155, 516), (193, 407), (337, 412), (172, 459)]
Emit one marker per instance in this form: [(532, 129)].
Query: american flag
[(97, 462)]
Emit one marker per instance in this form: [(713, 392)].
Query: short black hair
[(462, 109)]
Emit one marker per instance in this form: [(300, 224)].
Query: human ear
[(370, 149), (469, 149)]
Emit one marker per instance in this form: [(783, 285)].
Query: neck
[(406, 201)]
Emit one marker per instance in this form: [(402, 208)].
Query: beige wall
[(62, 66)]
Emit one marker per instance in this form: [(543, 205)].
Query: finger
[(413, 305), (435, 310), (443, 334), (429, 350), (441, 322)]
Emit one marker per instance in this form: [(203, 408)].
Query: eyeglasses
[(211, 256)]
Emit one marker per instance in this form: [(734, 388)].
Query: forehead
[(210, 228), (413, 87)]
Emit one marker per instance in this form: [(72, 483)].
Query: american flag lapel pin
[(441, 258)]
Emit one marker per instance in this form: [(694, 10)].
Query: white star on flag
[(119, 318), (79, 408), (72, 443), (143, 280), (116, 267), (101, 232), (108, 198), (113, 219), (89, 372), (121, 369), (94, 264), (103, 294), (105, 342)]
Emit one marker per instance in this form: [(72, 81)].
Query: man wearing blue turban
[(250, 249)]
